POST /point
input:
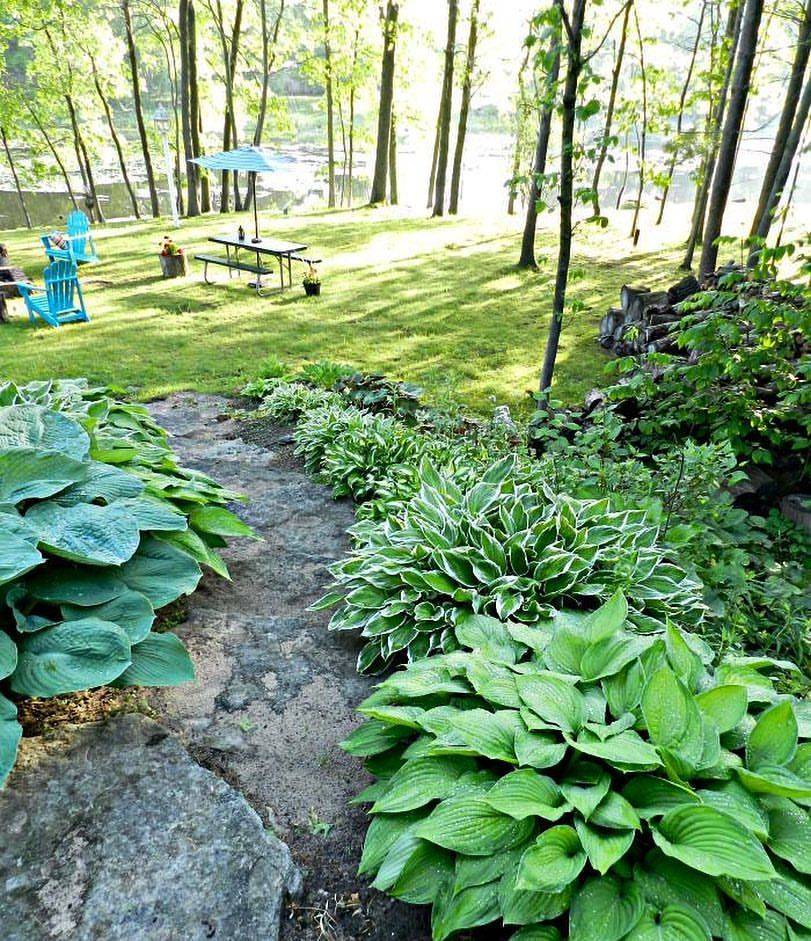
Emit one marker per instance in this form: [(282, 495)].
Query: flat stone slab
[(113, 833)]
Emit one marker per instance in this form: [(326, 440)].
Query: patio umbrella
[(249, 159)]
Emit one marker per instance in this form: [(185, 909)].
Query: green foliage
[(494, 544), (285, 402), (99, 528), (574, 769)]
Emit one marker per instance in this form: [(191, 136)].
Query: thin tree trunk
[(787, 118), (380, 178), (519, 133), (609, 111), (732, 38), (574, 65), (330, 108), (792, 188), (55, 152), (84, 159), (186, 120), (527, 259), (434, 159), (643, 137), (446, 110), (729, 139), (621, 190), (16, 178), (671, 169), (139, 113), (194, 105), (393, 193), (352, 92), (464, 107)]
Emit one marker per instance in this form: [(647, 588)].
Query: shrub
[(576, 774), (497, 545), (99, 528)]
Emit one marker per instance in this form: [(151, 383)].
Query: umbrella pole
[(255, 210)]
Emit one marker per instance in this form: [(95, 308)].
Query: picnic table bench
[(285, 254)]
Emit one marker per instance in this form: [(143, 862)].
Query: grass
[(437, 302)]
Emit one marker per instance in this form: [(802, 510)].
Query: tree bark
[(194, 105), (84, 159), (527, 259), (520, 114), (464, 108), (330, 109), (729, 138), (643, 137), (394, 197), (138, 107), (192, 170), (352, 94), (16, 178), (434, 159), (446, 107), (671, 169), (609, 111), (381, 172), (792, 188), (574, 66), (55, 152), (765, 206)]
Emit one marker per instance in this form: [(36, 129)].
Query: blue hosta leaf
[(10, 735), (101, 482), (711, 842), (605, 910), (526, 793), (552, 862), (469, 825), (160, 572), (90, 534), (773, 740), (154, 514), (130, 610), (27, 426), (158, 660), (675, 922), (17, 555), (70, 656), (78, 586), (8, 655), (29, 474)]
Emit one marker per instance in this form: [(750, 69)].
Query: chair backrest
[(61, 280), (78, 231)]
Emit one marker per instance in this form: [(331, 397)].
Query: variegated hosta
[(89, 551), (502, 547), (286, 402), (582, 779)]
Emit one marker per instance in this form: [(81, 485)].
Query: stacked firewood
[(646, 321)]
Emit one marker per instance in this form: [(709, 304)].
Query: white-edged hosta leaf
[(70, 656), (790, 833), (86, 533), (469, 825), (711, 842), (675, 922), (158, 660), (30, 474), (604, 848), (18, 555), (773, 740), (725, 705), (552, 862), (10, 734), (130, 610), (525, 793), (421, 781), (160, 572), (605, 909)]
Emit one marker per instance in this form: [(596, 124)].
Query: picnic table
[(285, 254)]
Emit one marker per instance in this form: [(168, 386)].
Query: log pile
[(646, 321)]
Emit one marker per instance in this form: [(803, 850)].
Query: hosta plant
[(576, 778), (285, 402), (89, 551), (499, 546)]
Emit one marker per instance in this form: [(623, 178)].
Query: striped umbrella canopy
[(247, 159)]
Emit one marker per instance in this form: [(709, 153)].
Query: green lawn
[(438, 302)]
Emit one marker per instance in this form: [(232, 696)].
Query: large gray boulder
[(121, 836)]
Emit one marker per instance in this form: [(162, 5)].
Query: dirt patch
[(40, 716)]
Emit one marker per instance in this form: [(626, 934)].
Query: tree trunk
[(446, 108), (194, 105), (609, 111), (643, 137), (671, 169), (621, 190), (394, 197), (192, 170), (352, 93), (574, 67), (792, 188), (381, 172), (527, 259), (519, 133), (16, 178), (760, 226), (330, 108), (434, 159), (464, 108), (139, 113), (732, 37), (84, 159), (729, 138), (55, 152)]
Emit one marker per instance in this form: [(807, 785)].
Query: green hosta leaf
[(520, 907), (32, 426), (392, 866), (624, 690), (160, 572), (477, 870), (10, 734), (664, 881), (607, 619), (29, 474), (746, 926), (654, 797), (420, 781), (780, 781), (71, 656), (790, 833), (219, 521), (725, 705), (526, 793), (603, 847), (8, 655), (672, 716), (90, 534), (673, 923), (469, 908), (616, 813), (553, 861), (711, 842), (17, 555), (374, 737), (130, 610), (469, 825), (553, 699), (627, 749), (539, 749), (491, 734), (384, 831), (733, 799), (605, 910), (609, 655), (190, 543), (773, 740), (158, 660), (424, 875), (585, 786), (537, 933), (788, 894), (486, 634), (685, 663)]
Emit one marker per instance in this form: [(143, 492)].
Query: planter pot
[(312, 290), (173, 266)]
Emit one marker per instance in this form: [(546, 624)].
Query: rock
[(116, 834)]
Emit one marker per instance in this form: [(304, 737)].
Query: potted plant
[(173, 259), (312, 282)]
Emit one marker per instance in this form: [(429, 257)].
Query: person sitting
[(9, 276)]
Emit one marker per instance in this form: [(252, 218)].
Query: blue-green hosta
[(90, 550), (500, 546), (577, 778)]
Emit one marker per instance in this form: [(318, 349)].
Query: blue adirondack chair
[(61, 300), (80, 248)]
